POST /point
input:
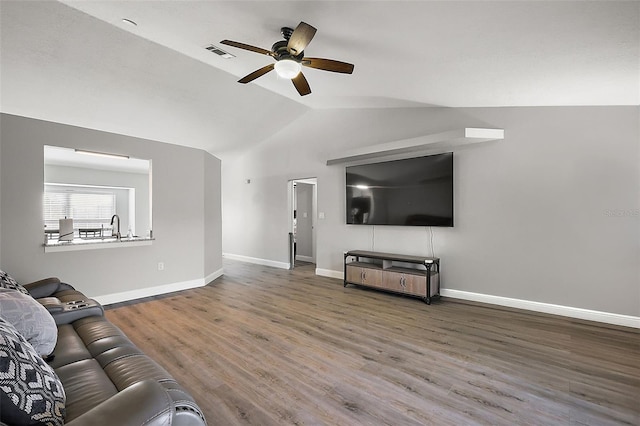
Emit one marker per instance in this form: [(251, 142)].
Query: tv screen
[(411, 192)]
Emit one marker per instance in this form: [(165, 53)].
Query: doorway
[(303, 195)]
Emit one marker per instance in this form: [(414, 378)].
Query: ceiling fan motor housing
[(281, 52), (286, 32)]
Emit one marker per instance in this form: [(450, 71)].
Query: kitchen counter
[(95, 243)]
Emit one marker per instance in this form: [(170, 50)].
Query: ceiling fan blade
[(300, 38), (328, 65), (302, 85), (257, 73), (247, 47)]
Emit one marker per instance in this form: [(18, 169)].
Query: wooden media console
[(411, 275)]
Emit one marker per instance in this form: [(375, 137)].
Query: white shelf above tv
[(435, 143)]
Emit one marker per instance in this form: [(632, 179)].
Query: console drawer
[(363, 274)]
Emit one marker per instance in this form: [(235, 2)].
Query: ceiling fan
[(289, 56)]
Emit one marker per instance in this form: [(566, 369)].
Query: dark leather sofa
[(106, 378)]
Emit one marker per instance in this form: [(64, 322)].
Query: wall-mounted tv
[(412, 192)]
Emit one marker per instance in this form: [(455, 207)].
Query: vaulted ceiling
[(77, 62)]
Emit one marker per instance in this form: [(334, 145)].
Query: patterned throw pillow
[(6, 281), (30, 319), (30, 391)]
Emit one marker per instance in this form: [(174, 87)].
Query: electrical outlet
[(160, 266)]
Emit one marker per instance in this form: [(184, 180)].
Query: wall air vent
[(219, 52)]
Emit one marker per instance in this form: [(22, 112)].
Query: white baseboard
[(548, 308), (213, 276), (329, 273), (126, 296), (256, 260), (305, 258)]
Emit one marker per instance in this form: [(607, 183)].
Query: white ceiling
[(76, 62)]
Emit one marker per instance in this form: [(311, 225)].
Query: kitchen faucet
[(115, 233)]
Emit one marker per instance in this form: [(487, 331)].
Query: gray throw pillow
[(6, 281), (30, 319), (31, 393)]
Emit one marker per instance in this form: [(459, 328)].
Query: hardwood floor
[(265, 346)]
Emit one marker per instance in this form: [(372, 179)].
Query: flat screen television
[(412, 192)]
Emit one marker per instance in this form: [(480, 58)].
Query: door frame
[(314, 209)]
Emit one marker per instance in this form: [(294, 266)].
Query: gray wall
[(0, 197), (550, 214), (212, 215), (179, 212)]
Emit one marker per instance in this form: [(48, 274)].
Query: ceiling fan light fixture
[(289, 58), (288, 68)]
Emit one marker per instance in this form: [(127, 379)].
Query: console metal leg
[(344, 283)]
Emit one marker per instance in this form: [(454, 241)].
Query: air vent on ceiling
[(219, 52)]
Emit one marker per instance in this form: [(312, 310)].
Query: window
[(68, 171), (88, 206)]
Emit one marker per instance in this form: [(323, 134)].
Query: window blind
[(88, 207)]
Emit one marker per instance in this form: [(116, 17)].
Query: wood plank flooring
[(265, 346)]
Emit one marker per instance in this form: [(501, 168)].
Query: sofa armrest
[(145, 403), (52, 304), (43, 288)]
